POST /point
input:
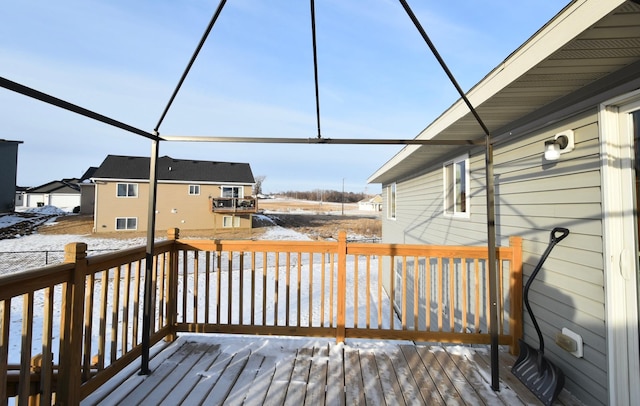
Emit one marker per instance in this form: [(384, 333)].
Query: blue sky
[(254, 78)]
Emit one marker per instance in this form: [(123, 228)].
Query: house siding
[(532, 197), (174, 207), (8, 168)]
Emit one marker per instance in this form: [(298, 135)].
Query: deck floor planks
[(208, 379), (372, 388), (354, 387), (508, 381), (388, 380), (184, 386), (172, 384), (278, 388), (443, 383), (297, 389), (335, 376), (256, 372), (244, 382), (179, 359), (426, 385), (129, 377), (467, 391), (258, 390), (406, 380), (228, 379), (316, 388)]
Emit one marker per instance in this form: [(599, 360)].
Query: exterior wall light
[(561, 144)]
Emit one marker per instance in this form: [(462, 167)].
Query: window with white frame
[(232, 191), (391, 201), (194, 189), (127, 190), (456, 187), (126, 223), (230, 222)]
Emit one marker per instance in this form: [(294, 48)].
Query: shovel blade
[(538, 374)]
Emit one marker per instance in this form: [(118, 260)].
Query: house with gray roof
[(191, 194)]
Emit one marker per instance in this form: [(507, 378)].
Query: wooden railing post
[(68, 387), (515, 315), (342, 286), (173, 234)]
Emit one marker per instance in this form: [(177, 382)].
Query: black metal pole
[(315, 65), (204, 37), (149, 289), (494, 281), (74, 108), (491, 230)]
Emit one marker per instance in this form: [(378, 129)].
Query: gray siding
[(532, 197), (8, 161)]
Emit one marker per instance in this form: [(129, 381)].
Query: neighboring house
[(87, 191), (64, 194), (371, 204), (20, 193), (190, 195), (9, 171), (579, 77)]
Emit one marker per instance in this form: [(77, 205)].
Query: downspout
[(149, 289)]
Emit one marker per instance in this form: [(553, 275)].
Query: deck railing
[(234, 204), (92, 306)]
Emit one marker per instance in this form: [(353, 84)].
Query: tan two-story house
[(191, 194)]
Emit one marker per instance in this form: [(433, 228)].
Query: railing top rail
[(117, 258), (19, 283), (260, 245)]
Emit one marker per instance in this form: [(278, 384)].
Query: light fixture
[(561, 144)]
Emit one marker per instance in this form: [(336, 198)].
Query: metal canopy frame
[(156, 138)]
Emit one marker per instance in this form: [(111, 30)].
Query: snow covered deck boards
[(241, 370)]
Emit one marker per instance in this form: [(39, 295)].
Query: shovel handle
[(563, 232), (557, 234)]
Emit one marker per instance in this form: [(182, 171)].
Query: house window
[(232, 191), (127, 190), (126, 223), (230, 222), (391, 201), (194, 189), (456, 187)]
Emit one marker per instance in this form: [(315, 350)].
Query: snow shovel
[(536, 372)]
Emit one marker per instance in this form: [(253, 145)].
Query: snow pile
[(46, 211), (9, 220)]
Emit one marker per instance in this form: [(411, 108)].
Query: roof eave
[(567, 25)]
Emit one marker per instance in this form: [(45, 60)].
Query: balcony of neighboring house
[(234, 205)]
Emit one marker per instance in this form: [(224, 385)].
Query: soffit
[(560, 59)]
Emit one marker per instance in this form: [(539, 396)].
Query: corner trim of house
[(620, 250)]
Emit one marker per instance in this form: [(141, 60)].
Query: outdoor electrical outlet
[(570, 342)]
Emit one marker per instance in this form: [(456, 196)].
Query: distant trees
[(257, 188), (334, 196)]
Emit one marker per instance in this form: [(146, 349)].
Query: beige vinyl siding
[(175, 207), (532, 197)]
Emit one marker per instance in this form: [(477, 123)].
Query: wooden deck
[(247, 370)]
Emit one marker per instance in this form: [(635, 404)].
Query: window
[(127, 190), (391, 201), (230, 222), (232, 191), (194, 189), (456, 187), (126, 223)]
